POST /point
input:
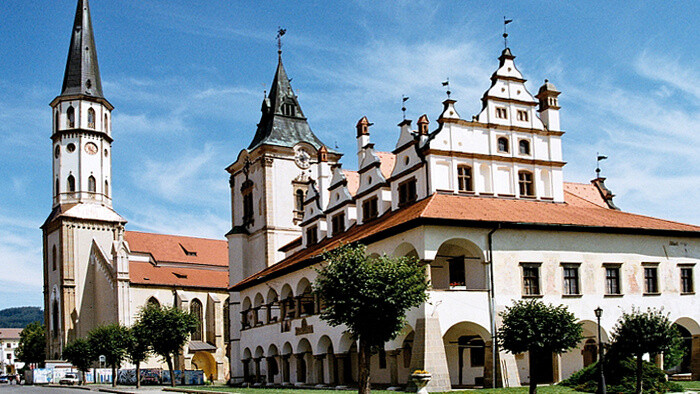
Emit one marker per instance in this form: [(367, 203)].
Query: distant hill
[(20, 317)]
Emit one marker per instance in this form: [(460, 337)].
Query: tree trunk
[(533, 380), (363, 361), (170, 368), (138, 375), (114, 375), (638, 389)]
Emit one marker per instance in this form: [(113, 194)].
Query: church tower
[(84, 252)]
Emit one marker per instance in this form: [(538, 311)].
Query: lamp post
[(601, 356)]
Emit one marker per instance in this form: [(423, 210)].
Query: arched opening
[(406, 250), (273, 306), (286, 362), (71, 183), (70, 118), (247, 360), (585, 353), (325, 369), (153, 301), (272, 365), (458, 264), (53, 258), (260, 314), (303, 359), (205, 362), (91, 118), (689, 330), (346, 359), (54, 319), (306, 298), (196, 310), (247, 315), (465, 349), (106, 124), (257, 359), (92, 184), (288, 310)]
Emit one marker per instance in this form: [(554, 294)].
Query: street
[(6, 388)]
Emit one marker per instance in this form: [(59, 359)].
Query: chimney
[(549, 105)]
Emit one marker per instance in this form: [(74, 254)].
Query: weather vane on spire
[(403, 108), (280, 33), (505, 30), (599, 157), (447, 84)]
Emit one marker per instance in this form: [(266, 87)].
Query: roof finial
[(447, 83), (280, 33), (403, 108), (505, 30), (599, 158)]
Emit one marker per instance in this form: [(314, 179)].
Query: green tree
[(32, 344), (138, 349), (80, 355), (110, 341), (637, 333), (166, 330), (370, 297), (534, 327)]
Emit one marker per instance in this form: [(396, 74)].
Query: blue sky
[(187, 80)]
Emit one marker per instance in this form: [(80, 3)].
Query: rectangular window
[(457, 277), (477, 355), (612, 280), (571, 280), (338, 223), (9, 356), (687, 280), (527, 188), (312, 235), (651, 280), (369, 209), (501, 113), (523, 116), (531, 279), (464, 179), (407, 192)]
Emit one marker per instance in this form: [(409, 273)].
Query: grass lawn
[(515, 390), (691, 386)]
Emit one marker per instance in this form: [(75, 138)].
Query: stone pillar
[(246, 370), (429, 354), (695, 357), (332, 369), (285, 368), (319, 375), (342, 359), (301, 372), (394, 366), (488, 366)]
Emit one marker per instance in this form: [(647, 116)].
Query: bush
[(620, 377)]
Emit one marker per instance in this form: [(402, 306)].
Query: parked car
[(4, 379), (71, 378)]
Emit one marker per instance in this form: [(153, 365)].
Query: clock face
[(302, 159), (90, 148)]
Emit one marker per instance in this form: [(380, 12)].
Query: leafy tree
[(166, 329), (370, 297), (110, 341), (32, 344), (20, 317), (533, 327), (637, 333), (80, 355), (138, 349)]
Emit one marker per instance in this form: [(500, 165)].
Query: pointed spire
[(282, 97), (82, 76)]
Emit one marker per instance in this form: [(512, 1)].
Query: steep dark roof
[(279, 125), (82, 76)]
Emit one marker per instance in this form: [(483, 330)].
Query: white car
[(71, 378)]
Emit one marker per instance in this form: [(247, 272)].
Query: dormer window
[(288, 109), (523, 116), (407, 191), (464, 178), (527, 187), (188, 252), (91, 118), (503, 145), (70, 118), (312, 235), (338, 223), (369, 209), (502, 112), (524, 147)]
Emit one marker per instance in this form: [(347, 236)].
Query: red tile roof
[(10, 333), (387, 160), (583, 194), (142, 273), (480, 211), (175, 248)]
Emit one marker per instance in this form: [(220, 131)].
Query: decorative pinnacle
[(403, 108), (505, 31), (280, 33)]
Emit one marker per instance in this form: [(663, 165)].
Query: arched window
[(524, 146), (55, 121), (91, 118), (58, 190), (54, 318), (70, 118), (527, 187), (299, 200), (503, 145), (107, 188), (92, 185), (53, 258), (71, 183), (196, 310), (106, 125), (464, 178), (153, 301)]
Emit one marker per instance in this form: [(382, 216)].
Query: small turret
[(423, 123), (549, 105), (362, 135)]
